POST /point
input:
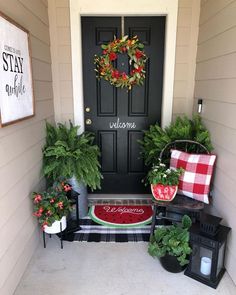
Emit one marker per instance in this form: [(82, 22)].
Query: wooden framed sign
[(16, 87)]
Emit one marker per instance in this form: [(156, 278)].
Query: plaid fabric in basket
[(196, 179)]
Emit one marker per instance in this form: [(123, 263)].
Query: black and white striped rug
[(93, 232)]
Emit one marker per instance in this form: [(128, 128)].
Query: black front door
[(118, 116)]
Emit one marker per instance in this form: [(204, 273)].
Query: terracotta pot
[(55, 227), (171, 264), (162, 192)]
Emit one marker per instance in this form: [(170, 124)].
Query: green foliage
[(172, 240), (159, 174), (67, 154), (156, 138)]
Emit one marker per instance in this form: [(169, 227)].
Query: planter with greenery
[(71, 156), (171, 245), (156, 137), (52, 206), (164, 181)]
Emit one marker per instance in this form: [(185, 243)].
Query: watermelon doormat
[(121, 216), (91, 231)]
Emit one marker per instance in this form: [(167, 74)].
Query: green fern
[(66, 154), (156, 138)]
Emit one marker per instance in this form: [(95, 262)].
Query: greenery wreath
[(137, 58)]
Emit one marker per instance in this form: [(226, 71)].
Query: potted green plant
[(156, 138), (73, 157), (164, 181), (171, 245), (52, 206)]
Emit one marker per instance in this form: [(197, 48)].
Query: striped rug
[(93, 232)]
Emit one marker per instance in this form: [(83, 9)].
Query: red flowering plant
[(137, 58), (52, 204)]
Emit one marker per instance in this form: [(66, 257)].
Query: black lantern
[(208, 241)]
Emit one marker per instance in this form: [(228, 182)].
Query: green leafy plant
[(166, 176), (172, 240), (52, 204), (68, 154), (156, 137)]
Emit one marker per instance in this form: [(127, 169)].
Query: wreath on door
[(137, 59)]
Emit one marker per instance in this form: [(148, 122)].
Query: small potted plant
[(52, 206), (164, 181), (171, 245)]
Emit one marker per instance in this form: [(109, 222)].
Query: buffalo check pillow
[(196, 179)]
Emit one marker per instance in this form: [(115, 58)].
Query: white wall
[(20, 150), (185, 60), (59, 18), (216, 85)]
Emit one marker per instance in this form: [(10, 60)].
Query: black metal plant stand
[(72, 225), (50, 235)]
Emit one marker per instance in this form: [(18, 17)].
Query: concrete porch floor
[(106, 268)]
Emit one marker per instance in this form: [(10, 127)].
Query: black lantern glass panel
[(201, 260), (221, 255), (207, 258)]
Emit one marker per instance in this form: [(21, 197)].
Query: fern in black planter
[(182, 128), (67, 154)]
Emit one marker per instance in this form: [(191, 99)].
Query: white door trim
[(79, 8)]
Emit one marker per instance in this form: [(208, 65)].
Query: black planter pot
[(171, 264)]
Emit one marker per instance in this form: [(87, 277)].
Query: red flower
[(60, 205), (124, 76), (115, 74), (37, 214), (49, 213), (104, 51), (44, 225), (138, 54), (37, 199), (112, 56), (40, 210), (67, 188), (132, 72), (139, 69), (52, 201)]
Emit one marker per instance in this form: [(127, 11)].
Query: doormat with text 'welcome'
[(121, 216), (108, 230)]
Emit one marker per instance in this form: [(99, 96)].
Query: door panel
[(118, 116)]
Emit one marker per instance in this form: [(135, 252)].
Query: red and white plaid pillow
[(196, 179)]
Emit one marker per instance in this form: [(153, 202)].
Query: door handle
[(88, 122)]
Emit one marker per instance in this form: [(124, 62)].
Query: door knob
[(87, 110), (88, 122)]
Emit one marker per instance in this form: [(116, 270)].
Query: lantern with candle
[(208, 241)]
